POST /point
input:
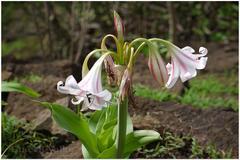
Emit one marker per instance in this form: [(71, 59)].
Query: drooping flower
[(157, 66), (89, 89), (184, 63)]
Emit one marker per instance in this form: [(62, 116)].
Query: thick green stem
[(122, 127)]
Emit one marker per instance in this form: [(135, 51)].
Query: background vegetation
[(65, 29)]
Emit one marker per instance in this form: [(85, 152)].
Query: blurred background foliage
[(57, 30)]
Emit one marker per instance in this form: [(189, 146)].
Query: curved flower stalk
[(89, 89), (184, 63), (156, 63)]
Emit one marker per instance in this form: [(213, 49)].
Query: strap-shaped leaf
[(101, 118), (17, 87), (129, 124), (139, 138), (94, 120), (108, 153), (107, 138), (71, 122), (110, 124), (112, 112), (85, 153)]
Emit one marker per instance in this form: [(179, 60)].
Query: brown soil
[(217, 125)]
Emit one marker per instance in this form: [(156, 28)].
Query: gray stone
[(44, 120), (72, 151), (63, 101), (6, 75)]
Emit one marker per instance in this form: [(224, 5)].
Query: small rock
[(44, 120), (146, 122), (63, 101), (6, 75), (72, 151)]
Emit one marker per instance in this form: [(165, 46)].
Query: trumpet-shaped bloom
[(184, 63), (157, 66), (89, 89)]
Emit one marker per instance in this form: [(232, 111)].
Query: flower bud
[(157, 66), (125, 86), (119, 27)]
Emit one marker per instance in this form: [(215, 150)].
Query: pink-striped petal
[(71, 87), (191, 60), (157, 67), (89, 88), (173, 71), (184, 63)]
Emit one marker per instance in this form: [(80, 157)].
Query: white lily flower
[(184, 63), (89, 89)]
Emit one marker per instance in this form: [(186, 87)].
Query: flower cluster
[(183, 64)]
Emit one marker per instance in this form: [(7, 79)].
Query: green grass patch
[(160, 94), (28, 78), (204, 92), (22, 47), (171, 146), (211, 85), (18, 141)]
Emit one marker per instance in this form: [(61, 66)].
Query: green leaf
[(85, 153), (4, 103), (110, 124), (71, 122), (94, 120), (107, 138), (112, 112), (137, 139), (100, 118), (101, 121), (108, 153), (129, 124), (17, 87)]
